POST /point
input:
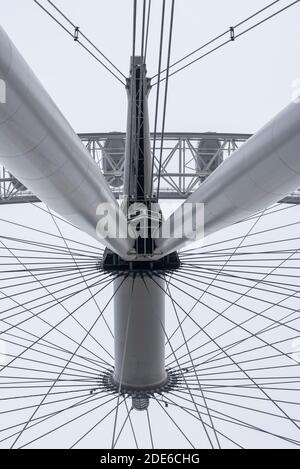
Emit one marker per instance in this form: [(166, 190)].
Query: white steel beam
[(258, 174), (39, 147)]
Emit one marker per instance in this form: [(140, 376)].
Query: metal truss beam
[(188, 159)]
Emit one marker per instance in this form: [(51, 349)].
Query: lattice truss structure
[(188, 159)]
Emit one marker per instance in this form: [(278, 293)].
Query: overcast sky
[(236, 89)]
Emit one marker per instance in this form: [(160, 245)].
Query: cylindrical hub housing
[(139, 332)]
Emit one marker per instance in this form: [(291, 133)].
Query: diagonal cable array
[(80, 38), (160, 71), (140, 36), (231, 34), (166, 94), (158, 89)]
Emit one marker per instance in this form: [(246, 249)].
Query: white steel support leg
[(139, 315)]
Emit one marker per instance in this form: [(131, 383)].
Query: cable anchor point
[(76, 33), (232, 33)]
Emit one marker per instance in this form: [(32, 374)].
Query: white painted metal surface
[(39, 147), (139, 312), (261, 172)]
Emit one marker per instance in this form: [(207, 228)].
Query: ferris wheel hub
[(142, 264), (141, 397)]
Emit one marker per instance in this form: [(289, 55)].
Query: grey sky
[(236, 89)]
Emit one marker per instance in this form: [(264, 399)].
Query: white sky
[(236, 89)]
